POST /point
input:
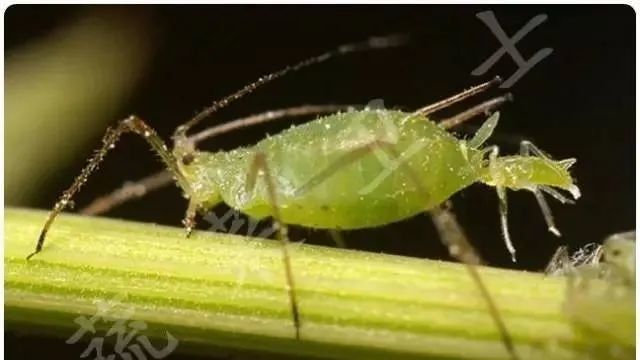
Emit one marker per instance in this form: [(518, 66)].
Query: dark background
[(578, 102)]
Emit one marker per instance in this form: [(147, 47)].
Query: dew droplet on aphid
[(112, 146), (147, 133)]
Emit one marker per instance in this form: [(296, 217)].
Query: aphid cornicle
[(327, 173)]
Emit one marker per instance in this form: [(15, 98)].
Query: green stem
[(222, 291)]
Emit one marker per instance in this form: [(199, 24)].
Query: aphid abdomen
[(373, 189)]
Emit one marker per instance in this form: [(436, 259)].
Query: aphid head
[(199, 168)]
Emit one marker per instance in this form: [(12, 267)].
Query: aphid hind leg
[(503, 209), (131, 124), (259, 164), (527, 148), (460, 248), (502, 203)]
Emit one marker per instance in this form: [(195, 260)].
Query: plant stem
[(222, 291)]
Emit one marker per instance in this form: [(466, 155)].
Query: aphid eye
[(188, 159)]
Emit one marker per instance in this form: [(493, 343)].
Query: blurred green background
[(63, 88)]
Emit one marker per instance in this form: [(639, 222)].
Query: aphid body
[(349, 170), (366, 191)]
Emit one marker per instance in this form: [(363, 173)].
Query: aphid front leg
[(137, 189), (189, 220), (259, 164), (131, 124)]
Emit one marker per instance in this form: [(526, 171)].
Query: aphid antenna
[(264, 118), (137, 189), (372, 43)]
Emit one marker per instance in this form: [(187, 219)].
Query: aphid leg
[(546, 212), (337, 238), (556, 194), (139, 188), (260, 164), (128, 191), (189, 220), (453, 236), (430, 109), (460, 248), (451, 233), (526, 148), (482, 108), (503, 208), (130, 124), (502, 201)]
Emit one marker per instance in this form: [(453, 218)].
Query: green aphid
[(349, 170)]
